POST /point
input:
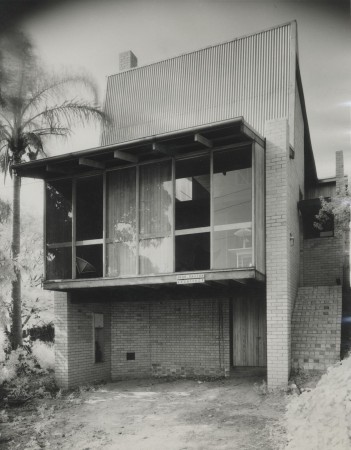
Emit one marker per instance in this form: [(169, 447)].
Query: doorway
[(249, 330)]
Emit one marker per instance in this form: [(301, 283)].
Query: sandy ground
[(151, 415)]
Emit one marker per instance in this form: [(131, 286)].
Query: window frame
[(250, 146)]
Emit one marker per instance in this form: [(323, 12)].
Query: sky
[(88, 35)]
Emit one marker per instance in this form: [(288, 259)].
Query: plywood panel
[(249, 331)]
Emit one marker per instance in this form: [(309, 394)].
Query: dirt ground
[(149, 415)]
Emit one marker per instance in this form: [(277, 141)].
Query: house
[(184, 245)]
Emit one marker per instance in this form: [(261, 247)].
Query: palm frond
[(52, 88), (69, 112)]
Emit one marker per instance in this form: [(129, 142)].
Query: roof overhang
[(179, 142), (225, 277)]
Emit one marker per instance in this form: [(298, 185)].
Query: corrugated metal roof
[(246, 77)]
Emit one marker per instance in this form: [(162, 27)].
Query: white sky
[(89, 35)]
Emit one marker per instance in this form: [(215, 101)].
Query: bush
[(44, 354), (19, 362)]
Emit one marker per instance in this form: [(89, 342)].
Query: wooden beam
[(55, 169), (91, 163), (124, 156), (202, 140)]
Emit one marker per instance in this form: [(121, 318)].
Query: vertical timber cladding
[(249, 329), (247, 77)]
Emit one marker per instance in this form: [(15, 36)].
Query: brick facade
[(183, 337), (172, 337), (316, 327), (74, 342), (277, 251)]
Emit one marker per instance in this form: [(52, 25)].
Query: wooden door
[(249, 331)]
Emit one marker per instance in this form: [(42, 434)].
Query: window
[(232, 209), (187, 213), (59, 229), (121, 223), (156, 213), (89, 227), (98, 337), (192, 214)]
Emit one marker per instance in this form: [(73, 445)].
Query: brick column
[(277, 251), (340, 180), (61, 339)]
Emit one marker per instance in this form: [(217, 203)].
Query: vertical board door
[(249, 331)]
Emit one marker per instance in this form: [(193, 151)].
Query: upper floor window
[(189, 213)]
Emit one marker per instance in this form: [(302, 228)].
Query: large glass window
[(232, 209), (121, 222), (59, 229), (156, 217), (187, 214), (89, 227), (192, 214)]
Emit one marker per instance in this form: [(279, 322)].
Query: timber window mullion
[(104, 225), (137, 224), (74, 220)]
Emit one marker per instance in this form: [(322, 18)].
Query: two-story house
[(184, 245)]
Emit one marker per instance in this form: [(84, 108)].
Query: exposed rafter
[(125, 156), (156, 147), (91, 163), (202, 140)]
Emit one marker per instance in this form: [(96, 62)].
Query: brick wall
[(322, 261), (277, 251), (181, 337), (74, 342), (316, 327)]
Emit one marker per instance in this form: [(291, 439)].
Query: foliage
[(34, 104), (44, 354), (338, 209), (33, 107), (36, 303)]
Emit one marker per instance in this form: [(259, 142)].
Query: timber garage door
[(249, 331)]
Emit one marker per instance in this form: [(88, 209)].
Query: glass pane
[(232, 186), (59, 263), (193, 252), (155, 256), (58, 211), (156, 199), (121, 222), (89, 261), (89, 208), (192, 196)]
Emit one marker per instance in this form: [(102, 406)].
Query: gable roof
[(248, 76)]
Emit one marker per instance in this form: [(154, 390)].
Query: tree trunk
[(16, 332)]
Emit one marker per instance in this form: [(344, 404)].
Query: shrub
[(44, 354)]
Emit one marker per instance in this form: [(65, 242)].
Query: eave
[(241, 276), (179, 142)]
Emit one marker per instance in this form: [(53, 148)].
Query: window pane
[(59, 263), (232, 185), (58, 211), (121, 222), (155, 256), (89, 261), (193, 252), (192, 208), (89, 208), (156, 199)]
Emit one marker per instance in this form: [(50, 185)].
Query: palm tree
[(32, 108)]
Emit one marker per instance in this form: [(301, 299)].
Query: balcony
[(191, 209)]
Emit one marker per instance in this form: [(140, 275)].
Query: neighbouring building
[(184, 245)]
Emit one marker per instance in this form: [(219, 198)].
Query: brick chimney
[(340, 178), (127, 60)]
